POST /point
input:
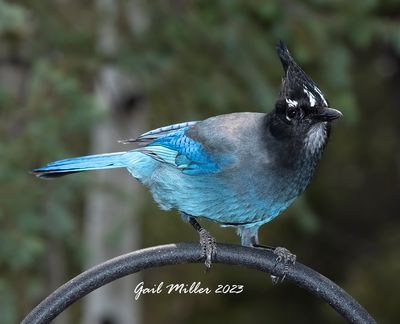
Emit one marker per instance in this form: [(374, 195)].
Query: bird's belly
[(212, 197)]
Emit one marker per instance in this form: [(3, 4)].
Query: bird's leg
[(249, 237), (207, 241)]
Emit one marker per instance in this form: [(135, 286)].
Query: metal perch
[(170, 254)]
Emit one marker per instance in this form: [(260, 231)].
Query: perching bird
[(239, 169)]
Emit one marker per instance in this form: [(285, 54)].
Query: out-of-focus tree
[(201, 58), (111, 221)]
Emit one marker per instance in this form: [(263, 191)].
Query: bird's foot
[(288, 259), (284, 256), (209, 247), (207, 241)]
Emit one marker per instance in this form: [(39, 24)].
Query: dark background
[(191, 60)]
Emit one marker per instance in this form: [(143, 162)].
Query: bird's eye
[(291, 113)]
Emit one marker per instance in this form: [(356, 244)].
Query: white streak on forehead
[(311, 97), (321, 95), (292, 103)]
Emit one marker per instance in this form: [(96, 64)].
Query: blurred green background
[(191, 60)]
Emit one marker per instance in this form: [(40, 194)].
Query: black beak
[(326, 114)]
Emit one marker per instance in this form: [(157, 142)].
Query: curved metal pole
[(157, 256)]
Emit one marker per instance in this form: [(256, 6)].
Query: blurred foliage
[(11, 17), (197, 59)]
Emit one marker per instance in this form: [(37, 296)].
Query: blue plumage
[(239, 169), (83, 163), (190, 156)]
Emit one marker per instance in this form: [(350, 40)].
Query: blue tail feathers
[(82, 163)]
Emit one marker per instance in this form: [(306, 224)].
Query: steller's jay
[(239, 169)]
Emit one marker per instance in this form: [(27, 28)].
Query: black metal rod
[(253, 258)]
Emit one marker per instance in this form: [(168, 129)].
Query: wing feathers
[(158, 132)]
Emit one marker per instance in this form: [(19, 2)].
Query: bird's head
[(302, 110)]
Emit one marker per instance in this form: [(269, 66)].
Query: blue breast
[(219, 197)]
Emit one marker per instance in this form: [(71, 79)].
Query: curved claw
[(209, 247), (284, 256)]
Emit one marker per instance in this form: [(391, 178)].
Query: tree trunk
[(111, 225)]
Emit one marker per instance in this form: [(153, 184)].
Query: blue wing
[(171, 145), (158, 133)]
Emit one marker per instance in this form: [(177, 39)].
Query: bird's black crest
[(284, 55), (296, 84)]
